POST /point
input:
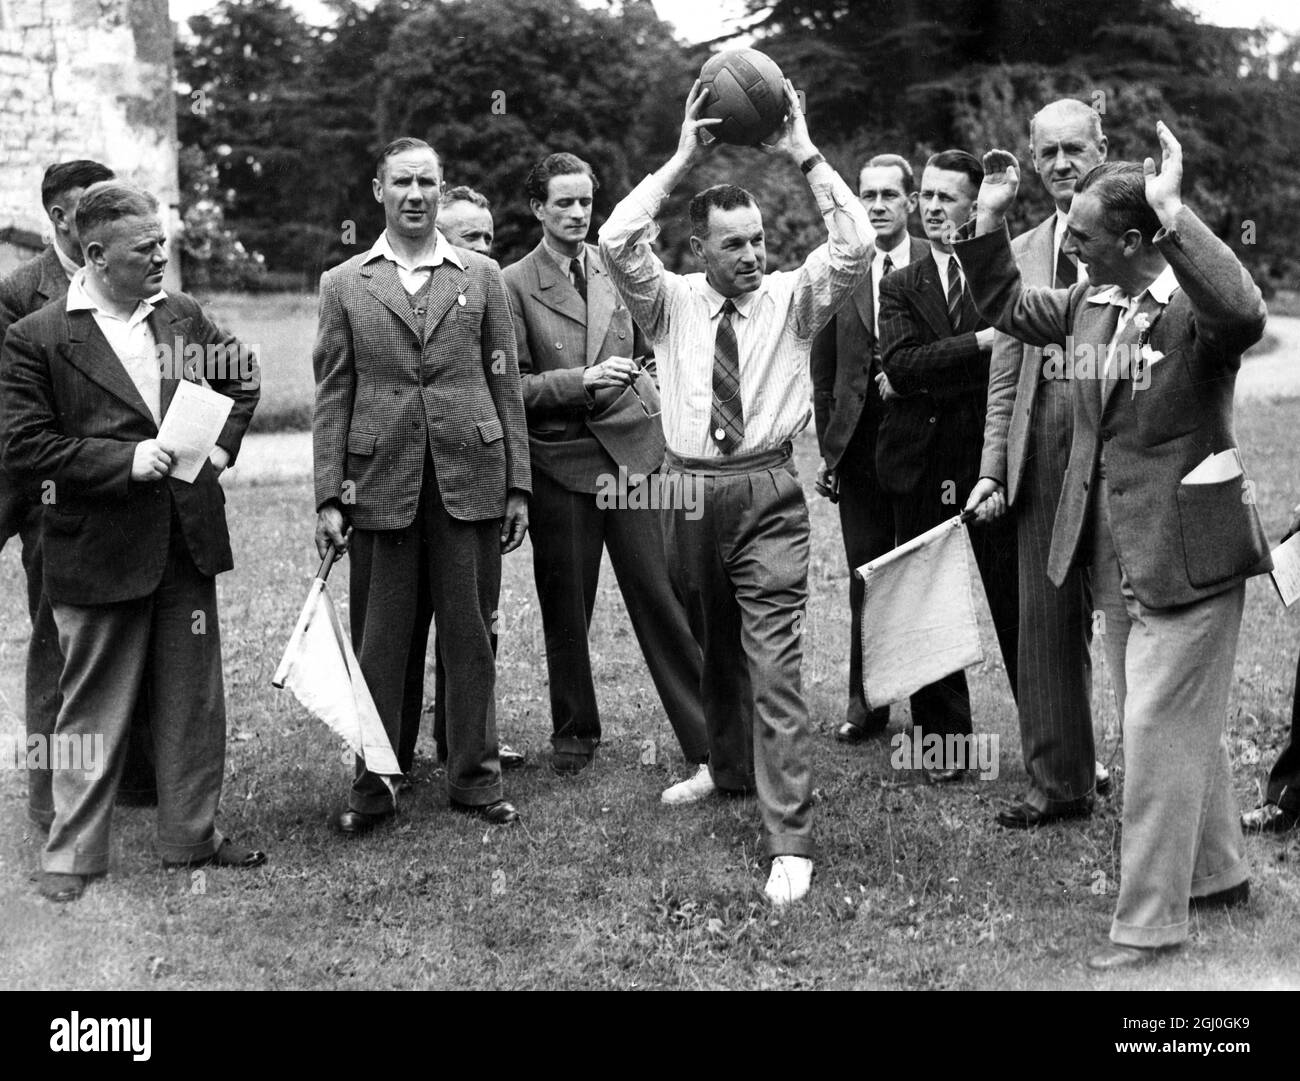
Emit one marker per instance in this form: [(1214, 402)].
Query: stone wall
[(82, 79)]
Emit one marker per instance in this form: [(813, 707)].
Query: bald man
[(1026, 448), (465, 219)]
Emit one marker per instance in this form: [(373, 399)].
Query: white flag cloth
[(321, 669), (918, 614)]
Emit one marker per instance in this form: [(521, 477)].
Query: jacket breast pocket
[(1222, 535), (1166, 399)]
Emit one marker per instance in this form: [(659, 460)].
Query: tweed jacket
[(390, 392), (942, 375), (1149, 423), (845, 394), (558, 339), (1014, 370), (70, 419)]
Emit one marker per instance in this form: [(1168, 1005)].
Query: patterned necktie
[(954, 295), (727, 419), (1067, 273), (579, 279)]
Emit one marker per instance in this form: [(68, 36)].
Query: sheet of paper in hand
[(190, 429), (1286, 570)]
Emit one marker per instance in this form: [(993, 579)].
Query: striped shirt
[(775, 324)]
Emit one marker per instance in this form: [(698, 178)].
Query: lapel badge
[(461, 300)]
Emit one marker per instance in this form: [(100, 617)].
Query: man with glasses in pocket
[(596, 445)]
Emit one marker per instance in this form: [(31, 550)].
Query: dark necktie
[(727, 419), (579, 279), (954, 294), (1067, 273), (885, 268)]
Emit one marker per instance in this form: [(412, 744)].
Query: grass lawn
[(602, 887), (281, 329)]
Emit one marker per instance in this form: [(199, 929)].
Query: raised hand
[(1001, 183), (792, 136), (695, 138), (1164, 189)]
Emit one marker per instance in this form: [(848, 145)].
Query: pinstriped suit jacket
[(943, 376), (1014, 369), (387, 388), (558, 340)]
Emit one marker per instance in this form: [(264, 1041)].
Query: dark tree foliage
[(291, 116)]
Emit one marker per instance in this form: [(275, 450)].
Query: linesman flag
[(918, 613), (321, 669)]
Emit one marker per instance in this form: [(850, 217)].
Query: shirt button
[(559, 345), (621, 334), (933, 419)]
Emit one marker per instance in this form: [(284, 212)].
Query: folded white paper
[(1286, 570), (1217, 467), (190, 429)]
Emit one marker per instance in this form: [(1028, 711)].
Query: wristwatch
[(809, 164)]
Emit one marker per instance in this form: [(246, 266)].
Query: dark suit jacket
[(942, 375), (70, 415), (1014, 369), (28, 289), (557, 342), (387, 388), (1178, 543), (845, 394)]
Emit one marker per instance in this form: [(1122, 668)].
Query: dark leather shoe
[(857, 733), (1025, 816), (500, 813), (228, 854), (1270, 818), (1116, 956), (568, 763), (1232, 897), (510, 758), (945, 776), (62, 888), (356, 823)]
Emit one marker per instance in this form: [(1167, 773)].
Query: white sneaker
[(692, 789), (790, 879)]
